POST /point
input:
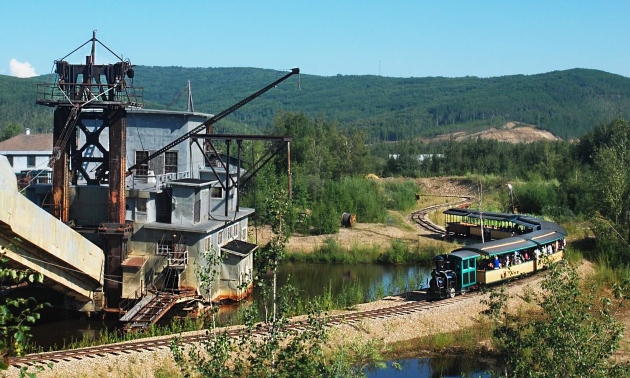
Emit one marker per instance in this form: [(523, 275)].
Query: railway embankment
[(391, 321)]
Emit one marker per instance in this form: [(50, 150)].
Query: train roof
[(521, 220), (457, 211), (484, 214), (546, 225), (498, 247), (544, 236), (464, 254)]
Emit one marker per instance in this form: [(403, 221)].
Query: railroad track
[(130, 347), (420, 216)]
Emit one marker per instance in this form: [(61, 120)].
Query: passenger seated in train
[(486, 264), (517, 258), (483, 264), (497, 263)]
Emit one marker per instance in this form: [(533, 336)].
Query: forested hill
[(567, 103)]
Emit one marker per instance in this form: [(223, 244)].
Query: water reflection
[(442, 367), (375, 280), (59, 333), (370, 281)]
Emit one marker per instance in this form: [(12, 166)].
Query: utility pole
[(481, 212)]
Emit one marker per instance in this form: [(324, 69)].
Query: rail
[(127, 304), (58, 94), (406, 309), (158, 182), (420, 216)]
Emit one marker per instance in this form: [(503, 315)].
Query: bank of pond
[(332, 285)]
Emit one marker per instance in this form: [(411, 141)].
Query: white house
[(28, 153)]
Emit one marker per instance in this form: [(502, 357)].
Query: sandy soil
[(363, 234), (513, 132)]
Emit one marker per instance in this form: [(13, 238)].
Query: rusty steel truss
[(99, 93)]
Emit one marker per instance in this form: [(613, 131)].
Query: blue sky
[(326, 38)]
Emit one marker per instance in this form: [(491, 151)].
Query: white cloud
[(20, 69)]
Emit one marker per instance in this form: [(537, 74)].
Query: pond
[(444, 366), (374, 280), (355, 282)]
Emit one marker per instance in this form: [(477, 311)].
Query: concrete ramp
[(32, 238)]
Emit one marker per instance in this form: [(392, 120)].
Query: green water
[(375, 280), (365, 281)]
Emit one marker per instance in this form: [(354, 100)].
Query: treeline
[(566, 103), (328, 167), (18, 110), (530, 161), (589, 178)]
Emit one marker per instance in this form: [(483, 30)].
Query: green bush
[(399, 195), (368, 199), (537, 197)]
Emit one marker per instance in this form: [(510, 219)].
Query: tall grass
[(107, 336), (400, 252), (370, 200), (465, 340)]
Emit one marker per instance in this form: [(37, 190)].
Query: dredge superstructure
[(160, 210)]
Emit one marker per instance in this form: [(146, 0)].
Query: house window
[(170, 162), (209, 244), (212, 160), (235, 231), (141, 204), (220, 238), (142, 169), (216, 192), (30, 161), (244, 234)]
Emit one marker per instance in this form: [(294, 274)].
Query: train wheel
[(451, 293)]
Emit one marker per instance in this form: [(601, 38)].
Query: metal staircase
[(152, 308)]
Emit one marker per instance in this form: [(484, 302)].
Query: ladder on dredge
[(151, 308)]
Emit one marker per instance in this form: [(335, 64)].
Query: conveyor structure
[(31, 238)]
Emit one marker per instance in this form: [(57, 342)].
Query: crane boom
[(212, 120)]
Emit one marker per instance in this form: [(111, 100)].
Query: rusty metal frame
[(278, 143)]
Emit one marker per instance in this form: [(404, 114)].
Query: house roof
[(28, 143)]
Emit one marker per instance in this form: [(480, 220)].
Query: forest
[(345, 128), (567, 103), (588, 179)]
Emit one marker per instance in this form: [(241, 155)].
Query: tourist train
[(516, 245)]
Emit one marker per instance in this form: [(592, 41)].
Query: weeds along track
[(143, 345), (407, 308), (420, 216)]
